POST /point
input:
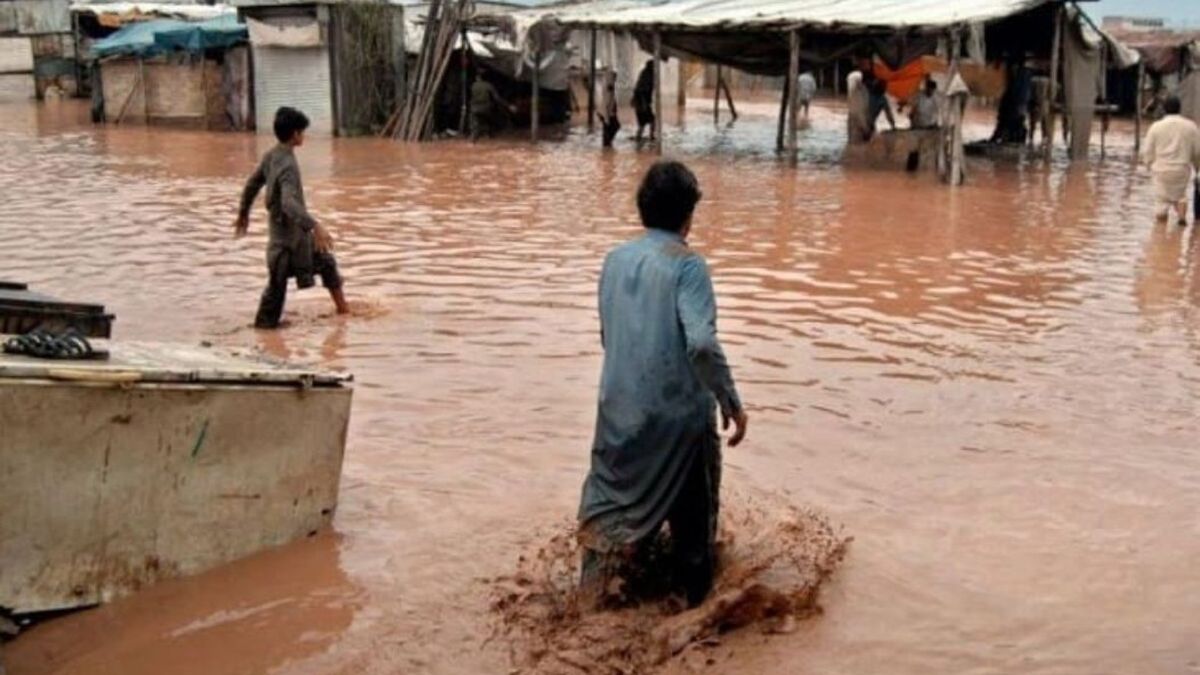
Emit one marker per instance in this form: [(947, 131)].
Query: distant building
[(1134, 23)]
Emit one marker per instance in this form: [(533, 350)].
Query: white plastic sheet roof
[(188, 11), (732, 14)]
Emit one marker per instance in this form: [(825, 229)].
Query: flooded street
[(993, 389)]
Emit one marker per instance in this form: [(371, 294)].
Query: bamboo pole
[(1052, 95), (592, 85), (717, 98), (535, 108), (423, 67), (658, 125), (1137, 117), (794, 94)]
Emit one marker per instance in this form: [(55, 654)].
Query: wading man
[(923, 108), (296, 245), (609, 115), (807, 90), (486, 107), (1172, 151), (656, 457), (643, 101)]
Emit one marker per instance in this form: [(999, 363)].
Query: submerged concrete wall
[(108, 487)]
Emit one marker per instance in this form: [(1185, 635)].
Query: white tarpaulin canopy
[(172, 10), (750, 34), (756, 14)]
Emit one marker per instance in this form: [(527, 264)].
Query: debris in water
[(772, 563)]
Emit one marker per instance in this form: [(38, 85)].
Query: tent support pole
[(957, 110), (729, 98), (717, 98), (1137, 117), (1052, 96), (783, 113), (145, 97), (794, 95), (681, 89), (658, 125), (592, 85), (1104, 97), (534, 108)]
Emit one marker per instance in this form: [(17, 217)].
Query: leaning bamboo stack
[(413, 119)]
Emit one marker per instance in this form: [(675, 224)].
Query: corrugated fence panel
[(16, 55)]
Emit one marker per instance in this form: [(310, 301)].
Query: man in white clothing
[(807, 90), (1172, 151)]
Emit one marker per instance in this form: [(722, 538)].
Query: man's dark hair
[(1173, 106), (668, 196), (287, 122)]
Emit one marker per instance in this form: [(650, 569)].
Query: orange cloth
[(903, 82)]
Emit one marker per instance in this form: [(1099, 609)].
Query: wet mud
[(773, 560)]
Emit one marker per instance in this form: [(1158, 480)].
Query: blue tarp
[(151, 38)]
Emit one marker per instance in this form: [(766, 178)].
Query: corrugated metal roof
[(732, 14)]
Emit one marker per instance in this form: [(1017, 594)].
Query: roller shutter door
[(293, 77)]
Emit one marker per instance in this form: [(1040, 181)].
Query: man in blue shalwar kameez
[(656, 457)]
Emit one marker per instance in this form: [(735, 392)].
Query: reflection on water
[(993, 388)]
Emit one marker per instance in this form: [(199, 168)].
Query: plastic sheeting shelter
[(833, 15), (115, 14), (752, 35), (152, 38)]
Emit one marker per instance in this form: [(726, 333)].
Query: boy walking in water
[(296, 246), (656, 457)]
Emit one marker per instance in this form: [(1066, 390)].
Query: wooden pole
[(128, 99), (1103, 98), (958, 102), (794, 94), (729, 98), (145, 96), (77, 57), (534, 108), (681, 87), (464, 63), (1137, 117), (717, 98), (1052, 95), (783, 111), (592, 85), (658, 125)]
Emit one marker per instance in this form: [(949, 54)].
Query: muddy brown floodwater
[(992, 389)]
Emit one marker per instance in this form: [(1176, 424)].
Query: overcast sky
[(1178, 11)]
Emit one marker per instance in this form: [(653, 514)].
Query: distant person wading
[(1172, 151)]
